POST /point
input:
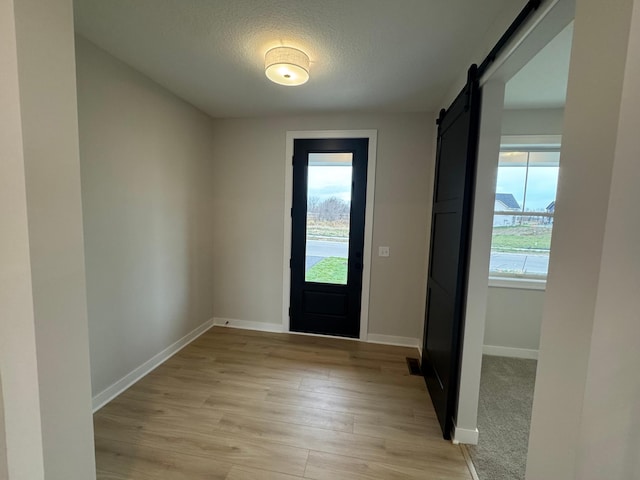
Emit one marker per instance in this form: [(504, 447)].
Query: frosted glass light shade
[(286, 66)]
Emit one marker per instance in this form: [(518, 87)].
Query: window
[(523, 211)]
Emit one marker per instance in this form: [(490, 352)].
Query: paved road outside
[(520, 263), (320, 248), (506, 262)]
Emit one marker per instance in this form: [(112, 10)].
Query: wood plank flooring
[(245, 405)]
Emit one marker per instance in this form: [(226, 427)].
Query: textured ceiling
[(542, 83), (366, 55)]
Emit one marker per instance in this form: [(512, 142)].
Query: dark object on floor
[(504, 418), (414, 366)]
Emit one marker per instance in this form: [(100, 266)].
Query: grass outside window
[(328, 270)]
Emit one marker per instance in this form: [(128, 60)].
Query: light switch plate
[(383, 251)]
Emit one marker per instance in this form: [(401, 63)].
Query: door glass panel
[(328, 217)]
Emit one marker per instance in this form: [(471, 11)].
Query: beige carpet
[(504, 417)]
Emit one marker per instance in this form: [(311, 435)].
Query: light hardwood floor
[(239, 405)]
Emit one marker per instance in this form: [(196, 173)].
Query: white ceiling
[(542, 83), (382, 55)]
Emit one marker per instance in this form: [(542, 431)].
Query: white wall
[(513, 319), (48, 112), (21, 428), (146, 189), (249, 214), (610, 431), (542, 121), (585, 420)]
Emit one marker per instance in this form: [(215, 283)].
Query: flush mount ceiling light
[(286, 66)]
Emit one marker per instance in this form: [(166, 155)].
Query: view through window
[(328, 217), (523, 212)]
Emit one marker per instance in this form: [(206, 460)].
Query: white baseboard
[(305, 334), (393, 340), (464, 435), (109, 393), (248, 325), (278, 328), (510, 352)]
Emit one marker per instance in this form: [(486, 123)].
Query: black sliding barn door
[(456, 159)]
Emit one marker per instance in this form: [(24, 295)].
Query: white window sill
[(519, 283)]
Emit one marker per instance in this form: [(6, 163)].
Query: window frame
[(528, 143)]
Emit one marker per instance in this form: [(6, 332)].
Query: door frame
[(372, 135), (544, 25)]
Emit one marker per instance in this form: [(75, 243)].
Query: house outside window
[(523, 211)]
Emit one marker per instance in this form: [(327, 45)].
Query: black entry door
[(327, 244), (448, 259)]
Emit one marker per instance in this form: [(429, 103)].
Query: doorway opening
[(329, 190), (522, 227), (327, 236)]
